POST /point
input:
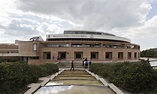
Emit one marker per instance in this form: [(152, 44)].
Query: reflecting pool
[(72, 89)]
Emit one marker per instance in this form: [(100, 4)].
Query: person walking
[(72, 65)]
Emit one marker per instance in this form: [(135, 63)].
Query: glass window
[(57, 45), (135, 55), (138, 55), (120, 55), (77, 45), (62, 55), (108, 55), (108, 45), (94, 55), (34, 47), (78, 55), (47, 55), (129, 55)]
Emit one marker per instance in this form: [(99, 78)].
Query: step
[(74, 75), (79, 82), (74, 78), (70, 67)]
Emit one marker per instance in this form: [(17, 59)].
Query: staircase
[(76, 82), (68, 65), (77, 77)]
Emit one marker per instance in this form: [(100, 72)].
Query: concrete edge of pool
[(35, 86)]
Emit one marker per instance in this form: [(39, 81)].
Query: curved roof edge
[(86, 32), (86, 36)]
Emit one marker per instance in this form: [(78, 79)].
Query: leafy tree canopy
[(152, 52)]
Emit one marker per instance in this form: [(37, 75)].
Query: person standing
[(86, 63), (72, 65), (90, 62)]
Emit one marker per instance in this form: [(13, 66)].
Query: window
[(78, 55), (108, 55), (61, 55), (129, 55), (34, 47), (138, 47), (77, 45), (94, 55), (94, 45), (138, 55), (108, 45), (47, 55), (120, 55), (135, 55), (34, 57), (57, 45)]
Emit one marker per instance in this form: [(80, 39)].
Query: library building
[(72, 45)]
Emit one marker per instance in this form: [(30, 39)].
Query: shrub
[(135, 77), (15, 76), (47, 69)]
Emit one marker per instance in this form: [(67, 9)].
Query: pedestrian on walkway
[(72, 65)]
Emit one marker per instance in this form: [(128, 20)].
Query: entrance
[(61, 55)]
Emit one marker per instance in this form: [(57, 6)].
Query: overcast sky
[(134, 19)]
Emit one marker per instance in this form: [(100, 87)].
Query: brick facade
[(96, 50)]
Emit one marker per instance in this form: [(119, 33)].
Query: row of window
[(93, 45), (121, 56), (93, 55), (85, 45)]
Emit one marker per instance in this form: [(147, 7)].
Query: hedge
[(135, 77), (15, 76)]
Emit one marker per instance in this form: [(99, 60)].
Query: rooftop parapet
[(86, 32)]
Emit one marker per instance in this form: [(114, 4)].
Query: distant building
[(73, 44), (9, 52)]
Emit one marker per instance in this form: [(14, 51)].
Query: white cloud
[(22, 19), (23, 25), (148, 29), (144, 35), (93, 14)]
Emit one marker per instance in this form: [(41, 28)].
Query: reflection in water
[(52, 83), (74, 90), (53, 89)]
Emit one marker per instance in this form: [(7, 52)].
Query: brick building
[(73, 44)]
